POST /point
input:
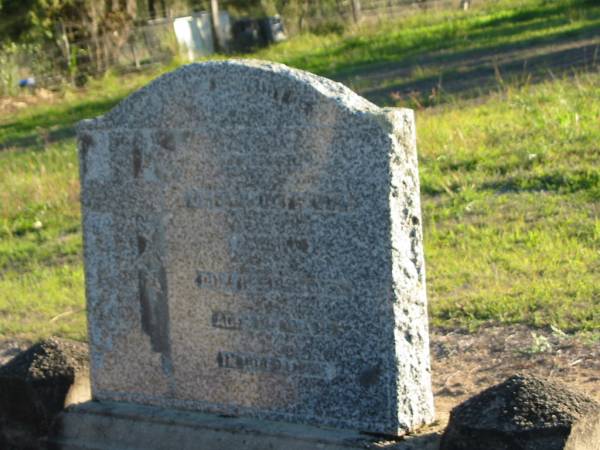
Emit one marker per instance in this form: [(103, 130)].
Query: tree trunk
[(152, 9), (96, 55), (356, 10), (216, 25), (65, 47), (131, 8)]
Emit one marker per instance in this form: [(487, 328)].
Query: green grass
[(40, 243), (424, 50), (512, 207), (507, 22), (510, 182)]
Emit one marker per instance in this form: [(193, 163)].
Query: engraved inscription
[(282, 304), (260, 282), (166, 140), (240, 244), (228, 320), (247, 362), (225, 320), (137, 160), (288, 201), (284, 96)]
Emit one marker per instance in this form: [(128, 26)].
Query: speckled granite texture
[(253, 247)]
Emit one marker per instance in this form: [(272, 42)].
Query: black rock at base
[(524, 413), (35, 386)]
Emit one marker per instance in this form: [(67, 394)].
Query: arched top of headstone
[(236, 93)]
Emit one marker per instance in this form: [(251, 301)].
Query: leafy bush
[(18, 61)]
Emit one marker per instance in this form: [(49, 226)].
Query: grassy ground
[(501, 41), (510, 183), (512, 207)]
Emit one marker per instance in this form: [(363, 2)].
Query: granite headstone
[(253, 247)]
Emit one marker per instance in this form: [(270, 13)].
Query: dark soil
[(465, 364)]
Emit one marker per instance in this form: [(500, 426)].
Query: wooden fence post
[(356, 10), (216, 25)]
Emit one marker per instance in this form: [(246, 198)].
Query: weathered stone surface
[(524, 413), (253, 247), (36, 385)]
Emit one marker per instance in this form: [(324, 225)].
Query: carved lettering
[(260, 282), (273, 244), (289, 201), (228, 320), (225, 320), (247, 362)]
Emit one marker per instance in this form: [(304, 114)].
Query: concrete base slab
[(122, 426)]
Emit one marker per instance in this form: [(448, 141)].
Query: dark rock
[(524, 413), (36, 385)]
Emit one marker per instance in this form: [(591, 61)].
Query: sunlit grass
[(490, 27), (43, 301), (512, 207), (510, 182)]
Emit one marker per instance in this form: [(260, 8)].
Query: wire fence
[(152, 42), (49, 66)]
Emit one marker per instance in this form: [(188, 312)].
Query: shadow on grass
[(561, 182), (550, 182), (458, 56), (52, 125), (485, 73), (435, 49), (467, 61)]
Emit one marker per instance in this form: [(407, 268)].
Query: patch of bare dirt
[(10, 348), (13, 104), (464, 364)]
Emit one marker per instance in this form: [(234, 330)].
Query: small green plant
[(558, 333), (9, 69), (539, 344)]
